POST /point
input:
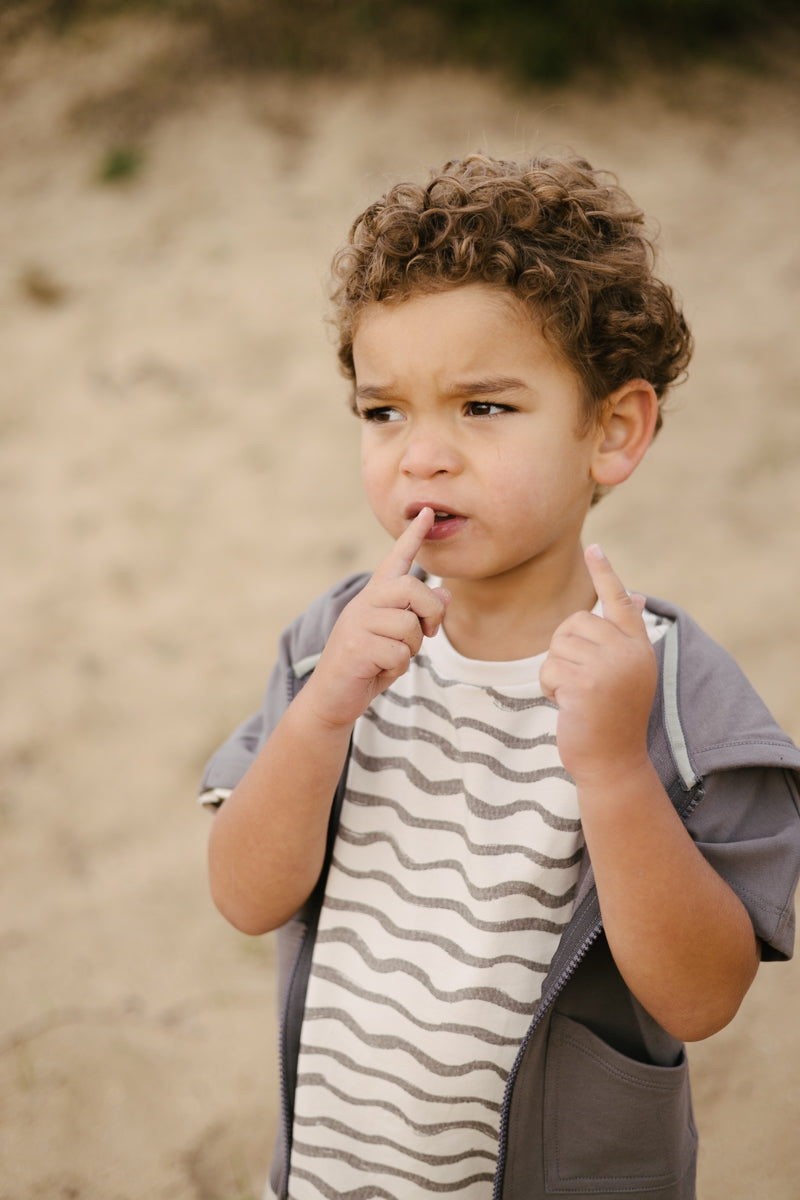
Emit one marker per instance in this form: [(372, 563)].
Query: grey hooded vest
[(598, 1101)]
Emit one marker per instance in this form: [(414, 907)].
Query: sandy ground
[(178, 475)]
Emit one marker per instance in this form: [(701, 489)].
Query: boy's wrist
[(325, 719), (632, 775)]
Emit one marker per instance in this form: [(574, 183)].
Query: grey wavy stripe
[(376, 1168), (509, 887), (331, 975), (450, 947), (495, 731), (313, 1079), (369, 1192), (386, 966), (415, 733), (455, 787), (372, 1191), (374, 1139), (545, 898), (429, 1097), (495, 849), (387, 1041), (512, 703)]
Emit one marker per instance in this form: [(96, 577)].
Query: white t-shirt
[(453, 878)]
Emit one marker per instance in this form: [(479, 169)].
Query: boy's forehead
[(470, 325), (446, 298)]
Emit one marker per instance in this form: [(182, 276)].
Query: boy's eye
[(381, 415), (486, 408)]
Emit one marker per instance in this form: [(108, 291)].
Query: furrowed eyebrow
[(368, 392), (493, 386)]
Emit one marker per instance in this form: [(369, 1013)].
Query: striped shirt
[(453, 877)]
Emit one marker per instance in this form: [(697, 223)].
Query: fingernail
[(595, 551)]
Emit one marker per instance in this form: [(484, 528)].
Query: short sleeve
[(747, 825), (230, 762)]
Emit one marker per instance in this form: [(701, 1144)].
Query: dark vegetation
[(541, 40)]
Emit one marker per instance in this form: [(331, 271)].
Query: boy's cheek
[(377, 496)]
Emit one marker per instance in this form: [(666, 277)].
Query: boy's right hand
[(268, 842), (378, 633)]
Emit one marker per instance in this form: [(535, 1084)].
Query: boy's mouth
[(445, 520), (441, 514)]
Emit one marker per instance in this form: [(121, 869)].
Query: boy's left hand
[(601, 672)]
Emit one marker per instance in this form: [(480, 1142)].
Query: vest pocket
[(613, 1124)]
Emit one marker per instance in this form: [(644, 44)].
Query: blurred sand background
[(178, 477)]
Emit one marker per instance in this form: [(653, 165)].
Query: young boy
[(522, 833)]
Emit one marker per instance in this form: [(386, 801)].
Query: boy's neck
[(499, 620)]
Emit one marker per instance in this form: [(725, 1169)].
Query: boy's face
[(466, 408)]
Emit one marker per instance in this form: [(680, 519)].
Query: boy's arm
[(681, 938), (267, 842)]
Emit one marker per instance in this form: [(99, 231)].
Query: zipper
[(282, 1060), (292, 690), (692, 801), (282, 1049), (546, 1003), (301, 966), (302, 960), (684, 811)]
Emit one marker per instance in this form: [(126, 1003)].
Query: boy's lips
[(446, 520)]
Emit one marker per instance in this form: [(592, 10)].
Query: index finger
[(400, 558), (618, 606)]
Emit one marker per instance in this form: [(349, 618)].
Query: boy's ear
[(625, 431)]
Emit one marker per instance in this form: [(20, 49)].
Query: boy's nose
[(429, 452)]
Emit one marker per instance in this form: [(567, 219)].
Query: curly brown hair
[(564, 237)]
